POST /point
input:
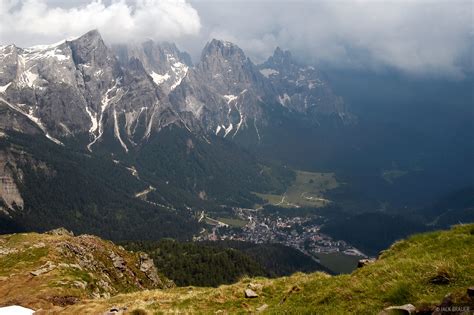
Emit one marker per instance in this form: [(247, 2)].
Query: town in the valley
[(301, 233)]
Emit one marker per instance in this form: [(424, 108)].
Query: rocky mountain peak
[(281, 56), (90, 48), (226, 67), (221, 49), (303, 88), (91, 38), (281, 60), (164, 62)]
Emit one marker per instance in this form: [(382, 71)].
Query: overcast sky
[(420, 37)]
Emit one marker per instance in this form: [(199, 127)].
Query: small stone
[(47, 267), (406, 309), (262, 308), (249, 294), (39, 245)]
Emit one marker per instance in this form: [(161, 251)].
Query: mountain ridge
[(103, 86)]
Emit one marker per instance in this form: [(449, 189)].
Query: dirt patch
[(63, 300)]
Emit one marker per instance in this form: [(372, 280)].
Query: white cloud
[(34, 21), (415, 36)]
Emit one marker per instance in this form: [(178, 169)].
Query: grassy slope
[(401, 275), (308, 189)]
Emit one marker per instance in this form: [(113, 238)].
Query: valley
[(307, 190), (217, 169), (236, 157), (302, 233)]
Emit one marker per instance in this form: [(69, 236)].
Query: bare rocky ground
[(56, 269)]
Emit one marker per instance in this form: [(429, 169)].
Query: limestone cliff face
[(12, 164), (9, 192)]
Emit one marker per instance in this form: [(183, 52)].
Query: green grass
[(234, 222), (306, 190), (403, 274), (22, 260)]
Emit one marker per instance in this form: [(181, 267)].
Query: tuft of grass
[(399, 294), (443, 274)]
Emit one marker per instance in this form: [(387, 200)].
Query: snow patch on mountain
[(180, 70), (149, 125), (46, 51), (27, 79), (242, 118), (93, 118), (106, 101), (267, 72), (178, 82), (4, 88), (228, 130), (159, 78), (117, 132), (230, 98)]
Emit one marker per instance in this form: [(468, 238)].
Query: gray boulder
[(250, 294)]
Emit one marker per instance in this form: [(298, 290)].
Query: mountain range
[(142, 126), (133, 141), (81, 86)]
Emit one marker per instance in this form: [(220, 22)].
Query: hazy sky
[(424, 37)]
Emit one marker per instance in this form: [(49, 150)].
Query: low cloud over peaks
[(421, 37), (416, 36)]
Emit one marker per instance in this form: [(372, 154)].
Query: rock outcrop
[(66, 268)]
